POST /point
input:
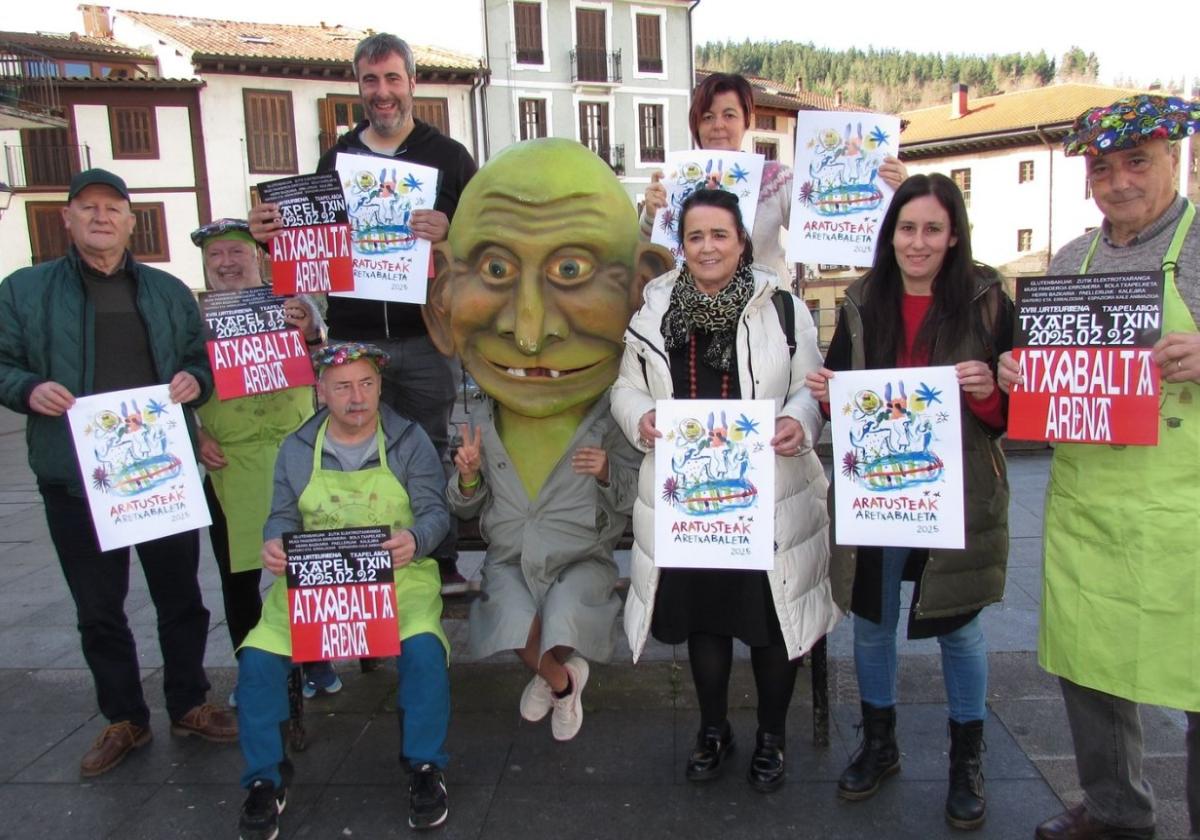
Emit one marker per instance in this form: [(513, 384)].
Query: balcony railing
[(592, 65), (28, 88), (614, 156), (45, 166)]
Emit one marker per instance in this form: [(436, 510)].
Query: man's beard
[(387, 124)]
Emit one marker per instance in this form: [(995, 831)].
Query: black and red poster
[(251, 349), (312, 252), (341, 594), (1083, 343)]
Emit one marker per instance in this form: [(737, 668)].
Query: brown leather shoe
[(115, 742), (208, 722), (1077, 824)]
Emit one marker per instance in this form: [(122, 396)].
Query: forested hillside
[(891, 80)]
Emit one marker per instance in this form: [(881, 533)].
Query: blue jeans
[(423, 696), (964, 652)]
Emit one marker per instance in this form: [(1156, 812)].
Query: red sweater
[(912, 310)]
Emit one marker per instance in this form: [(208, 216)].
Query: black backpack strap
[(785, 308)]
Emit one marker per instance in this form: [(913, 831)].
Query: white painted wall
[(1000, 206), (173, 168)]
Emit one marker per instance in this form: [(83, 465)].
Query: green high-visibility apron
[(1121, 591), (337, 499), (250, 430)]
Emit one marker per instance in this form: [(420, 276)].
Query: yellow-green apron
[(1121, 591), (250, 430), (337, 499)]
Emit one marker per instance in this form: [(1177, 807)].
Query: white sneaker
[(537, 699), (568, 712)]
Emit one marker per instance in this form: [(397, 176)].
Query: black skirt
[(722, 602)]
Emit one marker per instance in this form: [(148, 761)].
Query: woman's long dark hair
[(949, 316), (724, 200)]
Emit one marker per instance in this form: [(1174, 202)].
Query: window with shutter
[(270, 132), (650, 133), (149, 241), (134, 133), (649, 44), (435, 112), (527, 18), (47, 235), (532, 118)]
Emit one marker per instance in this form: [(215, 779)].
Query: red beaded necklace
[(692, 371)]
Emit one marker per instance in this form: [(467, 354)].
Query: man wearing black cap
[(90, 322), (1120, 621)]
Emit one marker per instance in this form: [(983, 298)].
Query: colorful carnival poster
[(685, 172), (897, 457), (251, 348), (341, 594), (838, 198), (390, 261), (1083, 343), (714, 473), (312, 252), (138, 466)]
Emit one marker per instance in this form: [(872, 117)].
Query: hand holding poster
[(838, 198), (736, 172), (138, 466), (341, 594), (251, 348), (897, 457), (1083, 344), (312, 252), (715, 473), (390, 261)]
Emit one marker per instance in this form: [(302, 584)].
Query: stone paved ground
[(622, 777)]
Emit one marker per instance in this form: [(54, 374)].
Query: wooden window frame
[(965, 186), (1023, 167), (1024, 240), (253, 162), (33, 209), (158, 212), (439, 101), (661, 148), (120, 153), (766, 122), (541, 114), (642, 57), (523, 53), (765, 143)]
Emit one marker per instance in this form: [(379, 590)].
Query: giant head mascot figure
[(534, 287)]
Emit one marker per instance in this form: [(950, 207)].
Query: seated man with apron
[(355, 463)]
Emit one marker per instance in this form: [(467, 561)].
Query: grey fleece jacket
[(411, 458)]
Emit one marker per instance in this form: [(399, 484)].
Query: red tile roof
[(276, 41), (57, 44), (769, 93)]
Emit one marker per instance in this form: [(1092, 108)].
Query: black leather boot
[(965, 805), (877, 758), (766, 765), (713, 743)]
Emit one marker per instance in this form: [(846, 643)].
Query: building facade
[(614, 75)]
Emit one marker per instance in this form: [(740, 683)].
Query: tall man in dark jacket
[(419, 383), (95, 321)]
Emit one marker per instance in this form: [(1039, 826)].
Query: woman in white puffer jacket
[(719, 308)]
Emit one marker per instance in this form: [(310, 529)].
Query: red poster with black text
[(312, 252), (1083, 343), (251, 348), (341, 594)]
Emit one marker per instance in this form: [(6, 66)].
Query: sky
[(1157, 53)]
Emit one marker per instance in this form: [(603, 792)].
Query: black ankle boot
[(964, 803), (877, 758), (766, 765), (713, 743)]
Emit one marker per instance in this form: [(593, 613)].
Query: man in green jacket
[(90, 322)]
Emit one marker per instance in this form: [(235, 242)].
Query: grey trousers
[(1107, 732)]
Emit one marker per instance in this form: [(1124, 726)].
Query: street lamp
[(6, 194)]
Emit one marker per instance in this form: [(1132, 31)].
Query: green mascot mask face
[(539, 276)]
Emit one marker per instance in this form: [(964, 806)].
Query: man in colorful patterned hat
[(355, 463), (1121, 597), (92, 321)]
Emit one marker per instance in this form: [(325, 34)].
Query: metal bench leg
[(820, 694), (297, 734)]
